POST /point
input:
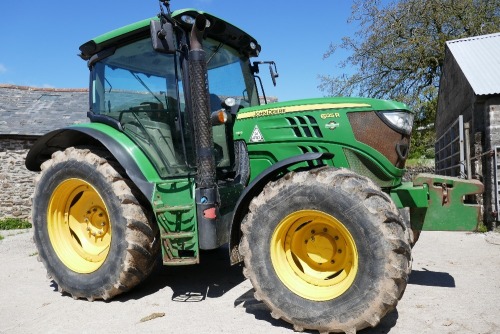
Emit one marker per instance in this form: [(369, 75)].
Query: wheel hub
[(314, 255), (320, 248), (96, 221), (79, 226)]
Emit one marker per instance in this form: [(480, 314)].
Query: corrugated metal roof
[(479, 59)]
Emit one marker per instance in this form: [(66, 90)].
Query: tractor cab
[(145, 91)]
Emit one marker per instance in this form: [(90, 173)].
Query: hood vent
[(304, 126)]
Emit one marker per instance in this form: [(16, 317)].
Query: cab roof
[(219, 30)]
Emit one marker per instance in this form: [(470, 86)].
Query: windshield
[(229, 75)]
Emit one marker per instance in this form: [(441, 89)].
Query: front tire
[(326, 250), (91, 232)]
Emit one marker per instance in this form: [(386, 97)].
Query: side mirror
[(272, 69), (162, 36), (274, 74)]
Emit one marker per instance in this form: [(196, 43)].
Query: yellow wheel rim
[(78, 226), (314, 255)]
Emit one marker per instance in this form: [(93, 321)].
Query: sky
[(39, 40)]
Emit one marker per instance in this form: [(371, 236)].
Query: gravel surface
[(454, 288)]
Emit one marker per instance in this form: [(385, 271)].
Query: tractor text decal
[(330, 115), (300, 108)]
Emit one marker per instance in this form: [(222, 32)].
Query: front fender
[(257, 185), (124, 150)]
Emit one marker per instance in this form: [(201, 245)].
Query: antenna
[(165, 3)]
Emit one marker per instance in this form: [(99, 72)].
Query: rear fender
[(313, 160), (135, 163)]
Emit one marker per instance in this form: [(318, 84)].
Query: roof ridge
[(472, 38)]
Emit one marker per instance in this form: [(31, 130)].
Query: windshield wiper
[(145, 86), (215, 52)]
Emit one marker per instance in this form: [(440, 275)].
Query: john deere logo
[(332, 125), (256, 135)]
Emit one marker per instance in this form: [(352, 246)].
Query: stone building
[(468, 116), (26, 113)]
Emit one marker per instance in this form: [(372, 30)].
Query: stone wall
[(413, 171), (16, 182), (25, 114)]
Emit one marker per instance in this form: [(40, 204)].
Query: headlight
[(400, 121)]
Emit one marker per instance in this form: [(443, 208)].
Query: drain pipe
[(206, 194)]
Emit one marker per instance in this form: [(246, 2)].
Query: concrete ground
[(454, 288)]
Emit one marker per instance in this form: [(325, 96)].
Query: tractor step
[(176, 217), (178, 208), (179, 248), (177, 235)]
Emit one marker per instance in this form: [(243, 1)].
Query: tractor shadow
[(260, 311), (431, 278), (418, 277), (211, 278), (214, 276)]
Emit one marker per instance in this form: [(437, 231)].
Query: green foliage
[(481, 228), (424, 135), (1, 237), (14, 224), (398, 53)]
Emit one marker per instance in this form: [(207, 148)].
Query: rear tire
[(326, 250), (92, 234)]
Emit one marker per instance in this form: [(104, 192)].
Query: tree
[(398, 52)]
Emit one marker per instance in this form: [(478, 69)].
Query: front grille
[(369, 129)]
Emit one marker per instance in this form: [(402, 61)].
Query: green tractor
[(180, 155)]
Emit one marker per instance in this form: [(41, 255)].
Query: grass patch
[(14, 224), (1, 237), (481, 228)]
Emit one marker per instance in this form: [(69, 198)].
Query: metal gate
[(450, 151), (496, 169)]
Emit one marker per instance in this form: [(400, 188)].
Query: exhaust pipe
[(207, 195)]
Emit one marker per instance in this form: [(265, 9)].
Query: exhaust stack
[(207, 196)]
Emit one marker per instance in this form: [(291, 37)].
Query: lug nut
[(336, 237), (313, 231), (325, 230), (339, 251)]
